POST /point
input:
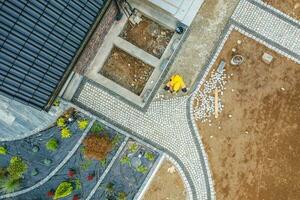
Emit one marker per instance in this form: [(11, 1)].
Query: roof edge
[(77, 55)]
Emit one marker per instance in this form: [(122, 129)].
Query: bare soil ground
[(290, 7), (166, 185), (148, 35), (255, 154), (126, 70)]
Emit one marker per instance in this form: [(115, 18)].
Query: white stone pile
[(205, 100)]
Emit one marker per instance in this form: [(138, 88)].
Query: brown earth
[(148, 35), (255, 154), (127, 71), (290, 7), (166, 185)]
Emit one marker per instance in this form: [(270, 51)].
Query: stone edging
[(184, 179), (107, 169), (275, 12), (47, 178)]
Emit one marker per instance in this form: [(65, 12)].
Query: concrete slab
[(183, 10)]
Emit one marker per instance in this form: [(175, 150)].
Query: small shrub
[(110, 187), (66, 133), (125, 160), (97, 147), (85, 165), (10, 185), (52, 144), (133, 148), (17, 167), (61, 122), (77, 184), (82, 124), (75, 197), (47, 162), (149, 156), (56, 102), (103, 162), (97, 128), (116, 140), (63, 190), (3, 150), (122, 196), (90, 177), (35, 149), (142, 169), (50, 193), (71, 173)]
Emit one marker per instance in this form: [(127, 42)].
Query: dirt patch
[(254, 145), (166, 185), (148, 35), (126, 70), (290, 7)]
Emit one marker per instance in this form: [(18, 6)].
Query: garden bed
[(82, 172), (128, 173), (126, 70), (290, 7), (253, 146), (40, 154), (148, 35)]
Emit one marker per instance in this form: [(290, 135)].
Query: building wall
[(97, 39)]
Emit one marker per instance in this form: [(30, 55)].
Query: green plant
[(77, 184), (122, 196), (103, 162), (3, 150), (56, 102), (65, 133), (82, 124), (133, 148), (52, 144), (9, 185), (61, 122), (64, 189), (116, 140), (97, 127), (85, 165), (149, 156), (17, 167), (125, 160), (142, 169), (110, 188)]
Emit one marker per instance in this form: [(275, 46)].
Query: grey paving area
[(164, 124), (261, 20), (19, 121)]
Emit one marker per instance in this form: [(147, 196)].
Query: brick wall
[(96, 40)]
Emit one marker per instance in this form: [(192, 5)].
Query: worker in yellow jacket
[(175, 84)]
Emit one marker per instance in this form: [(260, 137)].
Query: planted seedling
[(142, 169), (133, 148)]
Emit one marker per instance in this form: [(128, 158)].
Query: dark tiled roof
[(38, 40)]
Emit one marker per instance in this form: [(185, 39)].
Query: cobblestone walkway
[(164, 125)]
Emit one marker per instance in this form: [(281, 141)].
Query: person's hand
[(167, 88), (184, 90)]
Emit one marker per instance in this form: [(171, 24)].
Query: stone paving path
[(164, 125)]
